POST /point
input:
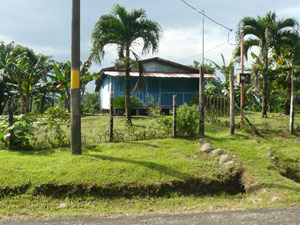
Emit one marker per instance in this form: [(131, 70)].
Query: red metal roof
[(162, 75)]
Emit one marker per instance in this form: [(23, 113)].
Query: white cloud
[(290, 11), (185, 45)]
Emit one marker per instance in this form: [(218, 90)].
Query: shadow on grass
[(42, 152), (147, 164)]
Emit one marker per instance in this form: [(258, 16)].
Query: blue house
[(162, 80)]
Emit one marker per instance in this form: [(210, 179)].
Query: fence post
[(111, 125), (232, 125), (174, 115), (201, 102)]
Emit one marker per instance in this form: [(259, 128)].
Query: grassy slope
[(151, 162), (144, 162)]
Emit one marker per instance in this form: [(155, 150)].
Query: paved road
[(252, 217)]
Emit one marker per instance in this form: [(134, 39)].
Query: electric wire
[(202, 12), (209, 50)]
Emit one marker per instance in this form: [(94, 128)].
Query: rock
[(62, 205), (206, 148), (229, 164), (216, 152), (202, 141), (223, 159)]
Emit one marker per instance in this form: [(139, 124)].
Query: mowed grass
[(155, 161), (143, 162)]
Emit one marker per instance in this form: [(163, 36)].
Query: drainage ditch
[(231, 185)]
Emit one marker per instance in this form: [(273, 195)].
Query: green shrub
[(187, 120), (153, 109), (22, 130), (91, 103), (166, 123), (52, 133), (119, 102)]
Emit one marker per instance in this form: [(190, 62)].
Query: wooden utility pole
[(231, 85), (292, 104), (174, 115), (242, 71), (111, 123), (75, 81), (201, 87)]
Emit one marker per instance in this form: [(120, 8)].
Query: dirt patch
[(230, 184), (288, 168), (14, 190), (191, 186)]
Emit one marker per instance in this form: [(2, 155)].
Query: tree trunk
[(127, 89), (265, 90), (11, 123), (23, 106), (2, 106), (231, 86), (27, 100), (288, 95), (292, 110), (43, 103)]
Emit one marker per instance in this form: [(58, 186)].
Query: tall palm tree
[(265, 33), (127, 30), (289, 63)]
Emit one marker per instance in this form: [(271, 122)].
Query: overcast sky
[(45, 25)]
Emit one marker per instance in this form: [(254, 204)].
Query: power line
[(197, 10), (209, 50)]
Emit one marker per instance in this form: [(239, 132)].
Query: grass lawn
[(153, 162)]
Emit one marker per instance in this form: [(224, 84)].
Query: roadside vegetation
[(144, 169)]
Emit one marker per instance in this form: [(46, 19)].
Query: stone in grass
[(223, 159), (206, 148), (216, 152), (229, 164)]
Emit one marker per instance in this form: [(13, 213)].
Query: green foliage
[(119, 102), (166, 123), (153, 109), (22, 129), (208, 68), (91, 103), (52, 126), (187, 120)]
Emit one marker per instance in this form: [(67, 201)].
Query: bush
[(119, 102), (22, 130), (53, 134), (153, 109), (187, 120), (91, 103)]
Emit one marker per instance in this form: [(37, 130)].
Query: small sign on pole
[(243, 78)]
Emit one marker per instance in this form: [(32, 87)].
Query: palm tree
[(265, 33), (289, 63), (127, 30)]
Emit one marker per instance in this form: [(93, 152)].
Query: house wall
[(161, 89), (105, 91), (156, 66)]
